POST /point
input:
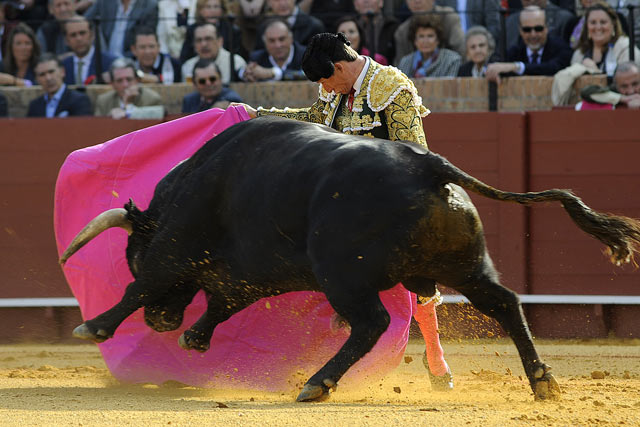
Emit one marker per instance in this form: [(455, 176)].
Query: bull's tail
[(620, 234)]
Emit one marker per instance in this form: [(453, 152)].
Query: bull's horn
[(112, 218)]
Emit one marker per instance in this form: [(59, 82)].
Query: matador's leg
[(425, 315)]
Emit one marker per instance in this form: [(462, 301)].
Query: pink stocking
[(427, 319)]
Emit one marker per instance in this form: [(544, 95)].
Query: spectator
[(327, 11), (58, 100), (80, 67), (156, 67), (128, 99), (578, 21), (480, 47), (23, 51), (429, 59), (209, 90), (355, 34), (213, 12), (476, 12), (50, 34), (282, 58), (209, 46), (452, 34), (627, 79), (302, 26), (4, 111), (536, 54), (118, 20), (31, 12), (5, 29), (602, 44), (558, 21), (173, 18), (378, 28)]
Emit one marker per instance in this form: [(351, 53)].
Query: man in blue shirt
[(58, 100)]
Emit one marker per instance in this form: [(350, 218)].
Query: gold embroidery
[(404, 121)]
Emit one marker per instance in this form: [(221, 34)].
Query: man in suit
[(536, 54), (80, 67), (302, 26), (477, 12), (379, 28), (58, 100), (50, 33), (209, 93), (282, 58), (128, 99), (119, 18), (452, 34), (557, 21)]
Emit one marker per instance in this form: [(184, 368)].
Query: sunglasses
[(212, 79), (537, 29)]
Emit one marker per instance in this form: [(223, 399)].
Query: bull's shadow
[(273, 205)]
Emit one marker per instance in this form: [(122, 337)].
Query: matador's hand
[(252, 112)]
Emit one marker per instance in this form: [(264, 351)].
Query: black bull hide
[(273, 205)]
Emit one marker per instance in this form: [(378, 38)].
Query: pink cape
[(273, 345)]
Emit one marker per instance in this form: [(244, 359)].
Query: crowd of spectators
[(209, 43)]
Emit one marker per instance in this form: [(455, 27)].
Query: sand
[(44, 384)]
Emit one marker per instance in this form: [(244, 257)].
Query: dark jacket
[(305, 27), (293, 70), (386, 42), (72, 103), (555, 57), (191, 103), (4, 111), (70, 72)]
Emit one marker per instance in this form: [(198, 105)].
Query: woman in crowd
[(355, 35), (480, 45), (602, 44), (576, 26), (23, 51), (213, 11), (429, 59)]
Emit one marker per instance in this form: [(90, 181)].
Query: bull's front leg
[(102, 327), (198, 336), (368, 320)]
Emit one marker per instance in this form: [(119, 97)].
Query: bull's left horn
[(112, 218)]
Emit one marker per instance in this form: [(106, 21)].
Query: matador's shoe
[(439, 383)]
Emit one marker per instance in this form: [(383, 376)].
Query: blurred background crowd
[(65, 45)]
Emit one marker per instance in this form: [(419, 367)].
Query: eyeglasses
[(537, 29), (211, 79)]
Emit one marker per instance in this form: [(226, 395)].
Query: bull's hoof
[(188, 343), (438, 383), (83, 332), (546, 386), (316, 393)]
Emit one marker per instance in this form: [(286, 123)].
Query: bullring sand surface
[(43, 385)]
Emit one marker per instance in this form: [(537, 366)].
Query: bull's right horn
[(112, 218)]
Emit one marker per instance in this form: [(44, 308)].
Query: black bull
[(273, 205)]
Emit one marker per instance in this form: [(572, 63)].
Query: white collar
[(539, 52), (358, 84), (286, 63)]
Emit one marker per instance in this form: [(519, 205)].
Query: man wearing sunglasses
[(536, 54), (209, 90), (557, 20)]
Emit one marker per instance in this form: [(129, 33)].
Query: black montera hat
[(323, 50)]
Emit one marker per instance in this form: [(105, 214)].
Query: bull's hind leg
[(368, 320), (491, 298)]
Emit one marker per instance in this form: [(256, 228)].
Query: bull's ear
[(131, 207)]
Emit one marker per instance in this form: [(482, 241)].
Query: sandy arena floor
[(69, 385)]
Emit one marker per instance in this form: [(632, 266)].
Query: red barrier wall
[(593, 153)]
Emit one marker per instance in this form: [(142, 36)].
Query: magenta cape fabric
[(274, 345)]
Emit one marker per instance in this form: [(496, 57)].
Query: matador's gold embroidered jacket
[(387, 106)]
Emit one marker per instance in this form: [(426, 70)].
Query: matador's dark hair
[(324, 50)]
